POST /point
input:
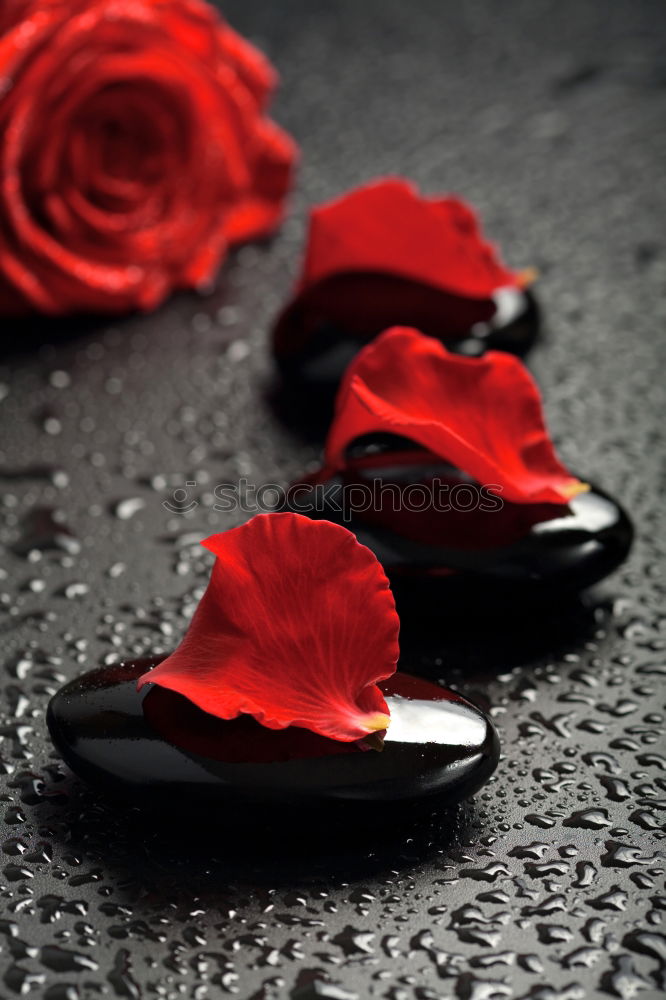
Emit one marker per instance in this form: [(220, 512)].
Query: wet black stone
[(530, 549), (157, 748), (312, 355), (514, 327)]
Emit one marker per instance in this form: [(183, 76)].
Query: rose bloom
[(134, 151)]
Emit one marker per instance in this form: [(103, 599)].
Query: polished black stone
[(157, 748), (533, 549), (313, 348)]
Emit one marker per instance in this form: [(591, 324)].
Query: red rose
[(134, 150)]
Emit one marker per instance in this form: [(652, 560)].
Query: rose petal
[(482, 415), (258, 214), (388, 227), (296, 627), (250, 64), (385, 255)]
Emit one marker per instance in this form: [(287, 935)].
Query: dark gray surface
[(549, 117)]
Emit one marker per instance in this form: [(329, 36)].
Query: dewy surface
[(548, 117)]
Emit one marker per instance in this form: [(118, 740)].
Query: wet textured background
[(549, 117)]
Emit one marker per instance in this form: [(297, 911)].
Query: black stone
[(157, 748), (529, 549), (514, 328), (312, 355)]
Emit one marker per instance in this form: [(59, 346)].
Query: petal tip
[(527, 277), (574, 489), (143, 679), (376, 721)]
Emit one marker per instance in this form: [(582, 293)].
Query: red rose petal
[(251, 65), (258, 214), (482, 415), (388, 227), (384, 255), (296, 627)]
